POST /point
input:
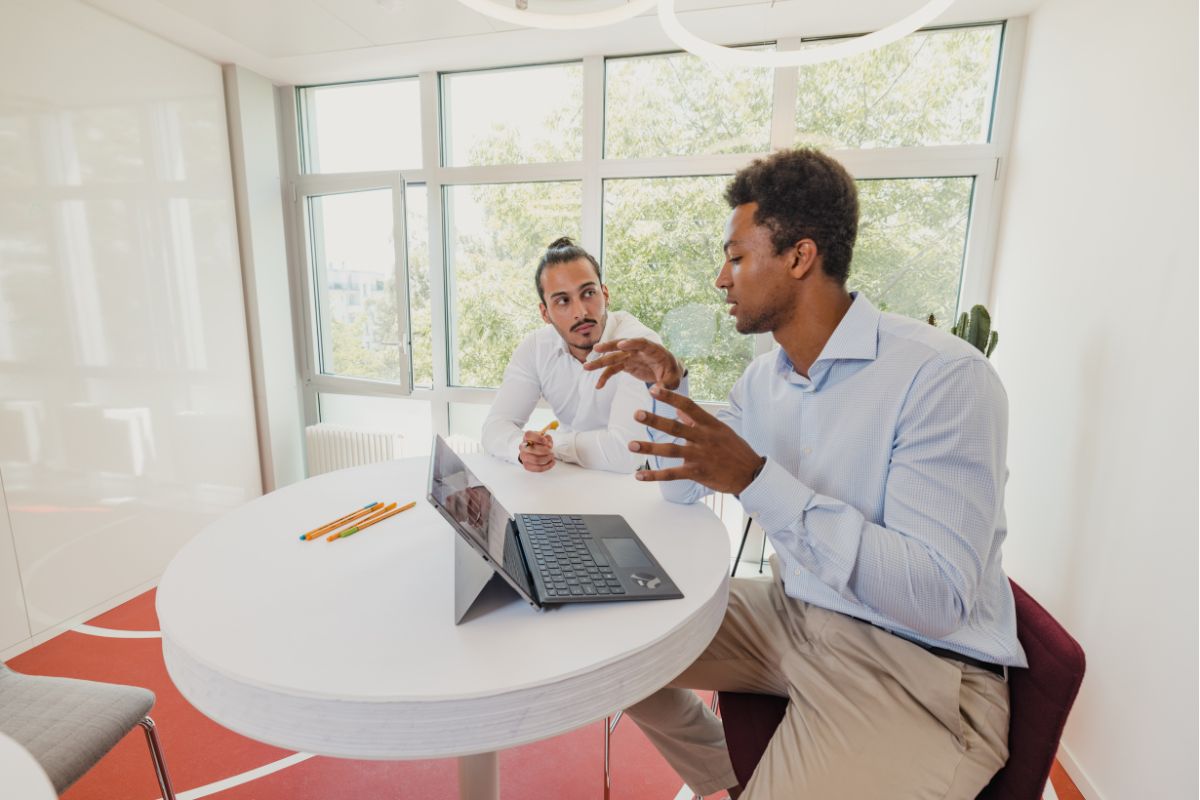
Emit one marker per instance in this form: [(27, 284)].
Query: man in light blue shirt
[(871, 449)]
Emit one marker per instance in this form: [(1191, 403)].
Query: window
[(930, 88), (363, 127), (495, 235), (662, 250), (353, 270), (677, 105), (629, 155), (513, 116)]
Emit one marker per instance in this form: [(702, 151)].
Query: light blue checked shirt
[(883, 491)]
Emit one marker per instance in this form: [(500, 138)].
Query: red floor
[(200, 752)]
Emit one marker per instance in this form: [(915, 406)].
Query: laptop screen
[(470, 505)]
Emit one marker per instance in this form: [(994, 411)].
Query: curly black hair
[(803, 194), (560, 251)]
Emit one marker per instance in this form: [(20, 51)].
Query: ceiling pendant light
[(518, 14), (732, 57)]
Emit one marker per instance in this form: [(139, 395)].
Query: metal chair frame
[(610, 725)]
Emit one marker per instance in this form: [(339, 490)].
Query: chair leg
[(741, 547), (762, 557), (160, 765), (610, 725), (712, 707)]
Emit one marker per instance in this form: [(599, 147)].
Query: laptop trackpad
[(627, 552)]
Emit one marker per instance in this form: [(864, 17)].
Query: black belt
[(942, 652)]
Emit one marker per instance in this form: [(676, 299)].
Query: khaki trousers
[(871, 715)]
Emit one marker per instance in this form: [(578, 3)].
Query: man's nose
[(723, 276)]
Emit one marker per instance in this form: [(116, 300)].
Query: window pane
[(363, 127), (930, 88), (513, 116), (912, 235), (495, 235), (678, 105), (354, 259), (662, 250), (420, 311)]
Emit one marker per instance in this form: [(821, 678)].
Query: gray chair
[(68, 725)]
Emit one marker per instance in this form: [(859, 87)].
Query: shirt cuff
[(564, 446), (776, 498)]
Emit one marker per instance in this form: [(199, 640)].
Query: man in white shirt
[(595, 424)]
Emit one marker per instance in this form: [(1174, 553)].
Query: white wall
[(1095, 300), (126, 419), (254, 147)]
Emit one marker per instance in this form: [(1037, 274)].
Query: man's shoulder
[(925, 350), (912, 338)]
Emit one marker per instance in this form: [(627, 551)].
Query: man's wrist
[(753, 476)]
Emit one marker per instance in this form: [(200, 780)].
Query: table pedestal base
[(479, 777)]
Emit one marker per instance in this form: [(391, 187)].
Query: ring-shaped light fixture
[(731, 57), (561, 22)]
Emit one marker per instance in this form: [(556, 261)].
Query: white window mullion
[(438, 297), (593, 153)]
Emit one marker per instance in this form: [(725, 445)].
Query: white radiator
[(329, 447), (464, 444)]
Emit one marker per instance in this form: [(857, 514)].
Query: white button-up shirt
[(595, 425), (883, 490)]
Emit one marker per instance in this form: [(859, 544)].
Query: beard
[(764, 321)]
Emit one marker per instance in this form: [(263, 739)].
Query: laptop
[(549, 559)]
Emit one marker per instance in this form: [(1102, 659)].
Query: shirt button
[(808, 451), (797, 573)]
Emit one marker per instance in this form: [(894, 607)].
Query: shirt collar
[(856, 338)]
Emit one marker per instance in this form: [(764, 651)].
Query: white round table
[(350, 649)]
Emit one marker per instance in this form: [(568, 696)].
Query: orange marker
[(328, 526), (552, 425), (368, 518), (372, 520)]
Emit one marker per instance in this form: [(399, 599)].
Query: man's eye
[(589, 293)]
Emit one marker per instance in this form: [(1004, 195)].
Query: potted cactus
[(976, 328)]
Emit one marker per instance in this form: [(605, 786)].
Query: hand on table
[(641, 358), (536, 451), (713, 454)]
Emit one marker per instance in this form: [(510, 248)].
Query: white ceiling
[(318, 41)]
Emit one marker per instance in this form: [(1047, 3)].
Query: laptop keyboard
[(571, 564)]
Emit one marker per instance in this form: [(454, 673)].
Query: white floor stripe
[(114, 633), (245, 777), (1049, 794), (685, 793)]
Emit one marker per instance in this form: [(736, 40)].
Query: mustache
[(583, 322)]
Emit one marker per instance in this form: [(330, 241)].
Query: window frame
[(982, 161)]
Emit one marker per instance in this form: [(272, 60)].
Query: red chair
[(1040, 698)]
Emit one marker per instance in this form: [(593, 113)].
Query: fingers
[(532, 466), (666, 449), (671, 474), (665, 424), (696, 414), (608, 373), (604, 361)]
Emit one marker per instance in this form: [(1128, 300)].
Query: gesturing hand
[(536, 452), (713, 455), (641, 358)]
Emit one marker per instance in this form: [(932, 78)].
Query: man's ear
[(604, 289), (545, 316), (806, 259)]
